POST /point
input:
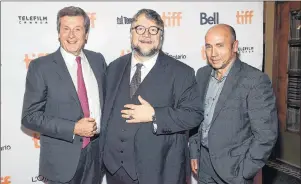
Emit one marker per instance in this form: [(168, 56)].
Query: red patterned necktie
[(82, 95)]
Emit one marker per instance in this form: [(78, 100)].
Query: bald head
[(226, 29), (221, 46)]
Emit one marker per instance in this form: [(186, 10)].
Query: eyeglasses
[(153, 30)]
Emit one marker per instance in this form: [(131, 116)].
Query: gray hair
[(73, 11), (151, 15)]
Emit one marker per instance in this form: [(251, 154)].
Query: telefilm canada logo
[(24, 19), (245, 50)]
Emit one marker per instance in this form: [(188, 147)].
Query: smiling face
[(220, 47), (72, 34), (145, 37)]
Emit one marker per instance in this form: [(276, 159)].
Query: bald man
[(240, 122)]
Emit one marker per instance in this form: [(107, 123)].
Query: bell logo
[(124, 52), (5, 180), (207, 19), (244, 17), (29, 57), (36, 140), (92, 17), (172, 19)]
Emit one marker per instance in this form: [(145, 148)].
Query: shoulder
[(119, 61), (252, 77), (94, 54), (41, 62), (177, 66)]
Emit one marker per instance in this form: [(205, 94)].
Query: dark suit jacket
[(51, 107), (171, 89), (244, 125)]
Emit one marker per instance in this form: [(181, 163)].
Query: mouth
[(215, 61), (71, 42), (145, 41)]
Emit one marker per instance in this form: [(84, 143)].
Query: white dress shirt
[(145, 69), (90, 82)]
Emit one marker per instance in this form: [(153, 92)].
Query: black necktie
[(136, 80)]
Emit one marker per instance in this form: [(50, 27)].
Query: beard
[(147, 53)]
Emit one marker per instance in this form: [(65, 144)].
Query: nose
[(213, 52), (71, 34), (146, 33)]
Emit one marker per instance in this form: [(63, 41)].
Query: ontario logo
[(176, 56)]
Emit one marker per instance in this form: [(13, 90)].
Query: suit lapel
[(155, 75), (63, 72), (98, 75), (118, 74), (229, 86)]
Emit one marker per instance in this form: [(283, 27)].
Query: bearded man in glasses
[(152, 101)]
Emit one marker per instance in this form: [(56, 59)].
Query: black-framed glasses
[(140, 30)]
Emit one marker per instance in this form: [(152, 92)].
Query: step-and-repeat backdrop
[(28, 31)]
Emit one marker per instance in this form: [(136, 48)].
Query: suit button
[(123, 130), (121, 151), (81, 139), (122, 162), (122, 140)]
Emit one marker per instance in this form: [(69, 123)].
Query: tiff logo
[(92, 17), (205, 19), (5, 180), (172, 19), (244, 17), (203, 53), (28, 58), (124, 52), (36, 140)]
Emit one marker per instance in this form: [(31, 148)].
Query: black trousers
[(120, 177), (88, 169)]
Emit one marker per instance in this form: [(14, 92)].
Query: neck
[(141, 59)]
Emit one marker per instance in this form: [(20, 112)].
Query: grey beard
[(150, 53)]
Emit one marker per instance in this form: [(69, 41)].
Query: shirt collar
[(146, 64), (70, 58)]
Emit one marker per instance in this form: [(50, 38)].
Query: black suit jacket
[(171, 88)]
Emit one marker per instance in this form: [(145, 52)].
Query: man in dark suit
[(151, 102), (240, 123), (63, 100)]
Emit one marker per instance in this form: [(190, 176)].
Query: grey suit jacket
[(51, 107), (171, 88), (244, 126)]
